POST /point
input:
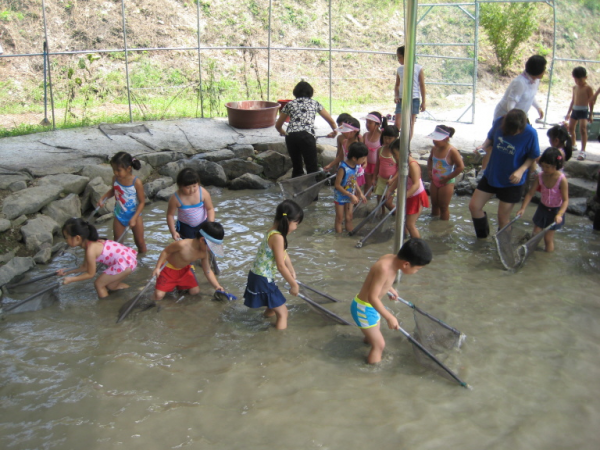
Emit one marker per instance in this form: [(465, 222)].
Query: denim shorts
[(416, 105)]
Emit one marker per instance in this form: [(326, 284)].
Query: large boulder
[(278, 147), (103, 171), (250, 181), (4, 225), (95, 189), (44, 255), (327, 156), (582, 169), (29, 201), (71, 184), (577, 206), (218, 155), (7, 179), (166, 193), (15, 267), (64, 209), (157, 160), (151, 188), (38, 231), (242, 151), (144, 171), (211, 174), (581, 187), (235, 168), (274, 164)]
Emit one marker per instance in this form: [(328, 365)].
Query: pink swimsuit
[(373, 146), (117, 257), (551, 197)]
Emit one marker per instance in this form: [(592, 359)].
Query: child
[(350, 133), (272, 256), (387, 165), (582, 99), (130, 198), (443, 165), (121, 260), (418, 91), (367, 307), (179, 272), (555, 196), (346, 186), (559, 138), (191, 203), (416, 195), (372, 139)]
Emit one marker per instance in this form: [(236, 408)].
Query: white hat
[(346, 128), (373, 118), (439, 134), (214, 245)]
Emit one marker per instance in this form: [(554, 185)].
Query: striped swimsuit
[(190, 217)]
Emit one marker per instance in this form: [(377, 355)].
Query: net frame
[(303, 189)]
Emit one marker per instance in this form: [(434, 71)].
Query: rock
[(15, 267), (105, 218), (165, 194), (464, 188), (144, 171), (4, 225), (103, 171), (7, 257), (62, 210), (424, 173), (38, 231), (71, 184), (327, 156), (29, 201), (577, 205), (219, 155), (460, 177), (17, 186), (242, 151), (285, 176), (156, 160), (95, 189), (274, 163), (19, 221), (153, 187), (581, 187), (59, 246), (470, 158), (249, 181), (7, 180), (212, 174), (278, 147), (471, 173), (322, 148), (44, 255), (235, 168), (582, 169), (172, 169)]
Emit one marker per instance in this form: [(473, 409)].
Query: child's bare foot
[(120, 286), (269, 313)]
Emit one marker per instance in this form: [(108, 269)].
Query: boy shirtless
[(179, 273), (579, 111), (367, 307)]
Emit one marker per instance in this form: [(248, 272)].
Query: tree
[(507, 26)]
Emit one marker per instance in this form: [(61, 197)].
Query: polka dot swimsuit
[(117, 257)]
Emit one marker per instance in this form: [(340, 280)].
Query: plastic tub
[(252, 114)]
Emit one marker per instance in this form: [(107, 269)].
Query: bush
[(507, 26)]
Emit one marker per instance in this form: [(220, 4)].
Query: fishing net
[(379, 229), (525, 250), (323, 311), (511, 249), (36, 303), (303, 190)]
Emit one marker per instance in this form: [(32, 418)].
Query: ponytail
[(560, 132), (76, 226), (287, 211)]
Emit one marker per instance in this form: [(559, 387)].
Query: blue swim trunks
[(364, 315)]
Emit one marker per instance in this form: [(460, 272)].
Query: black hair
[(536, 65), (382, 120), (303, 89), (579, 72), (125, 160), (514, 122), (389, 131), (416, 252), (187, 177), (552, 156), (76, 226), (213, 229), (287, 211), (400, 51), (447, 129), (357, 150), (559, 132), (342, 118)]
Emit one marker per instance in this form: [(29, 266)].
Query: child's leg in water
[(106, 282), (348, 214), (549, 241), (411, 224), (444, 196), (138, 235), (282, 315), (374, 338), (339, 217)]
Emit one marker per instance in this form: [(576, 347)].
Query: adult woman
[(515, 147), (300, 137)]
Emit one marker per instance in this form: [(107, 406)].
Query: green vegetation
[(507, 27)]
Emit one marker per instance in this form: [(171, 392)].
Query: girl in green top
[(272, 256)]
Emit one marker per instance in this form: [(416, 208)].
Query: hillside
[(89, 88)]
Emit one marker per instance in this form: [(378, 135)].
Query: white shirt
[(520, 94), (416, 85)]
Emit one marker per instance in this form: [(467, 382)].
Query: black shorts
[(579, 114), (511, 194), (544, 216)]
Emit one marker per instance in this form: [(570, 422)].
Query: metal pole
[(552, 66), (269, 54), (47, 55), (330, 63), (126, 59), (199, 64), (475, 61), (410, 32)]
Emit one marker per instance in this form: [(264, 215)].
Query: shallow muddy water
[(203, 374)]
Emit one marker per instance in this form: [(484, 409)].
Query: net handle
[(31, 297), (312, 186), (360, 243), (432, 357), (33, 280), (360, 203), (323, 309), (135, 300), (372, 213), (323, 294), (509, 224)]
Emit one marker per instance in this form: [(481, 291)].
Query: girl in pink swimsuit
[(120, 260), (372, 139)]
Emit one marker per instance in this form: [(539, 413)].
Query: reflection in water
[(203, 374)]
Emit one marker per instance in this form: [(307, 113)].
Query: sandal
[(581, 156)]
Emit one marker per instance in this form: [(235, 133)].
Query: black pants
[(302, 146)]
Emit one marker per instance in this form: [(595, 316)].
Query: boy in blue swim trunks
[(367, 307)]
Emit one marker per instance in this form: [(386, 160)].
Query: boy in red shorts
[(178, 256)]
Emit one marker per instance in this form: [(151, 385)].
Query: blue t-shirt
[(509, 153)]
